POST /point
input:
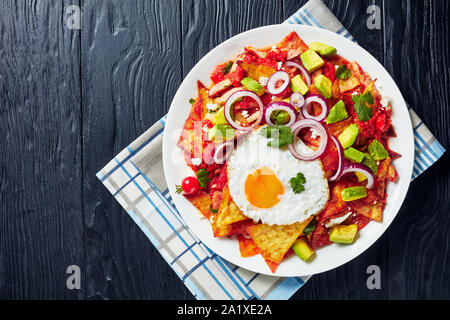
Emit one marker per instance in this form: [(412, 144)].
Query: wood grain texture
[(349, 281), (41, 225), (417, 45), (130, 71), (70, 100)]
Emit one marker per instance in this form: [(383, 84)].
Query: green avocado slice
[(337, 113)]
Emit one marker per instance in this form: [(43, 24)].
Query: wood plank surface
[(41, 221), (72, 99)]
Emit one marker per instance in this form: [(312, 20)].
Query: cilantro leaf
[(213, 210), (297, 183), (280, 136), (342, 72), (363, 111), (227, 68), (191, 100), (310, 227), (203, 177), (368, 97)]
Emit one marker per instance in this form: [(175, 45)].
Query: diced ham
[(223, 98), (219, 87), (259, 53)]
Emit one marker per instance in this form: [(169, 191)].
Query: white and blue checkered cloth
[(135, 177)]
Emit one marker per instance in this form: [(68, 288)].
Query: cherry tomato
[(190, 185)]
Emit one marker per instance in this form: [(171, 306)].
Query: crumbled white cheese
[(212, 106), (314, 133), (245, 113), (280, 65), (196, 161), (337, 220), (384, 98), (263, 80), (205, 128), (354, 93)]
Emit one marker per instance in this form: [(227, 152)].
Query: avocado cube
[(343, 234), (221, 132), (219, 117), (370, 162), (323, 84), (353, 193), (354, 154), (377, 151), (322, 49), (253, 85), (348, 136), (337, 113), (302, 249), (299, 85), (311, 60)]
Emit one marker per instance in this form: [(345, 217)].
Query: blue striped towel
[(135, 177)]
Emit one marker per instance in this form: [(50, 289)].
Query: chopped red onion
[(223, 152), (320, 100), (340, 151), (308, 123), (305, 73), (297, 100), (358, 167), (274, 79), (279, 106), (229, 108)]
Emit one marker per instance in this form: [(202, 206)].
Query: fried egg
[(259, 182)]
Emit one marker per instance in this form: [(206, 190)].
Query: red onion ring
[(280, 106), (208, 154), (273, 80), (297, 100), (341, 164), (309, 123), (305, 73), (222, 152), (229, 107), (358, 167), (320, 100)]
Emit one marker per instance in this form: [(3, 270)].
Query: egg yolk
[(263, 189)]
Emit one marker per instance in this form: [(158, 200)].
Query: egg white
[(253, 153)]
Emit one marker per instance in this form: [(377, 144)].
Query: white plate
[(175, 169)]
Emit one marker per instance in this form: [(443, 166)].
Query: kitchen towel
[(135, 177)]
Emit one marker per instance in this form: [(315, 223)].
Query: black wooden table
[(71, 99)]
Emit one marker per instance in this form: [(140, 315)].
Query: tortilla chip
[(381, 176), (247, 246), (241, 227), (348, 84), (191, 137), (376, 212), (201, 201), (274, 241), (293, 44), (274, 265), (228, 214), (256, 70), (360, 75)]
